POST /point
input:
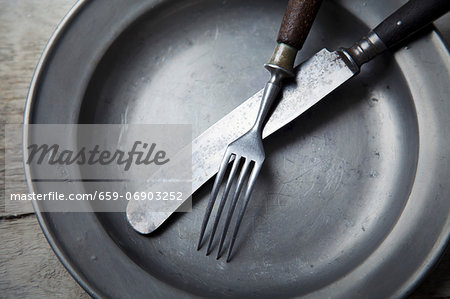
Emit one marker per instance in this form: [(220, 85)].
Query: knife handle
[(297, 22), (397, 27), (409, 18)]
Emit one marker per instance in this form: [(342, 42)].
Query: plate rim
[(49, 48)]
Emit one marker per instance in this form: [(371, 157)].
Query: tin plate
[(353, 198)]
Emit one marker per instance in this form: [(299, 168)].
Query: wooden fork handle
[(297, 22)]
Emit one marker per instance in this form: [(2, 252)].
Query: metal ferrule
[(364, 50), (283, 57)]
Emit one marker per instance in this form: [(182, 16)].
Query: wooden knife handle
[(297, 22), (409, 18)]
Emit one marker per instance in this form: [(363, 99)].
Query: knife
[(314, 79)]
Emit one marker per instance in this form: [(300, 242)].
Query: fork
[(248, 149)]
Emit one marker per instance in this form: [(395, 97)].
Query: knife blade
[(314, 79)]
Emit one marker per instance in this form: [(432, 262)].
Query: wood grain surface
[(28, 266), (297, 22)]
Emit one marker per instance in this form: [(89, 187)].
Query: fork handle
[(297, 22), (294, 29)]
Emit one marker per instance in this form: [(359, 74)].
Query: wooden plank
[(28, 266), (14, 175)]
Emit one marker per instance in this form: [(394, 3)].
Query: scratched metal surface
[(345, 192), (324, 69)]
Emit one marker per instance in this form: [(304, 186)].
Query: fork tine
[(239, 186), (212, 198), (223, 200), (248, 192)]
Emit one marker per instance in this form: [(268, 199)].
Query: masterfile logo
[(101, 167), (53, 155)]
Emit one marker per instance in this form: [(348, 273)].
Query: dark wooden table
[(28, 266)]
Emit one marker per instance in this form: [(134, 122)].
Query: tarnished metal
[(365, 49), (250, 150), (315, 78), (284, 56)]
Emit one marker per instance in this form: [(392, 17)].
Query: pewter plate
[(353, 197)]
